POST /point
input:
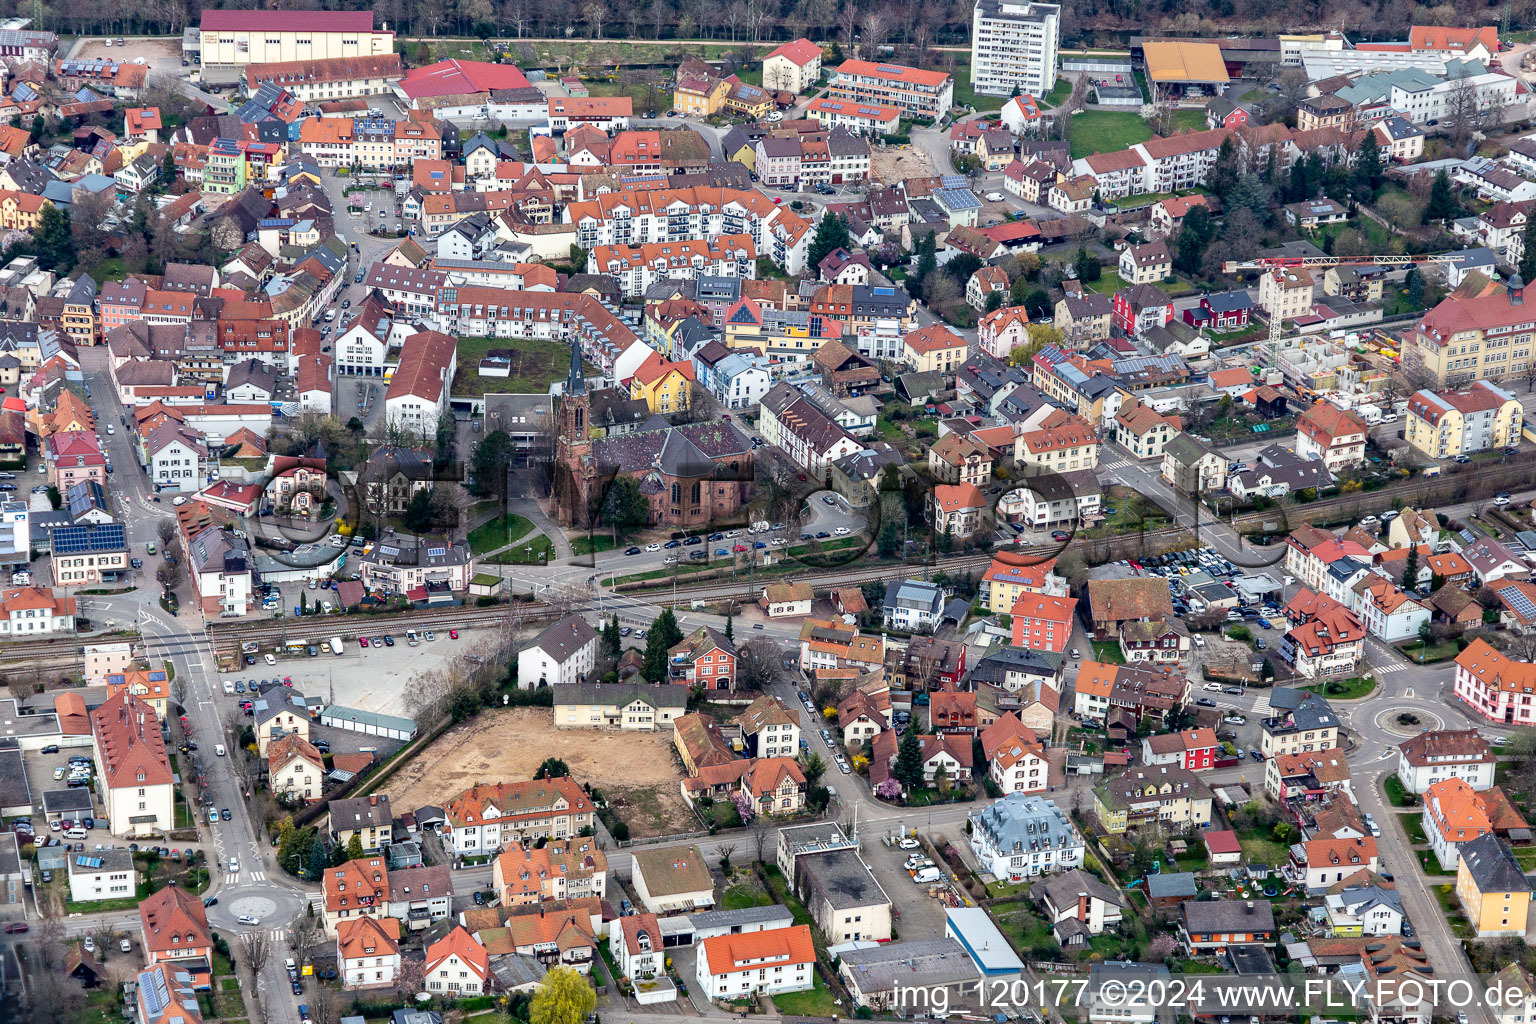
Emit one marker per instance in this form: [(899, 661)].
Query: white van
[(75, 833), (218, 749), (927, 875)]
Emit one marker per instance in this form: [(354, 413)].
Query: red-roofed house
[(457, 965), (1331, 434), (1042, 621), (747, 964), (1494, 685), (1194, 749), (1223, 847), (174, 930), (1015, 756), (368, 952), (418, 393), (793, 67), (958, 509), (136, 781)]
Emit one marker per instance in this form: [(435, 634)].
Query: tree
[(552, 768), (53, 240), (757, 664), (663, 635), (1528, 256), (1225, 171), (730, 625), (888, 541), (1089, 269), (613, 639), (305, 932), (428, 508), (624, 506), (1037, 303), (488, 469), (941, 292), (994, 301), (927, 262), (1194, 236), (1368, 176), (1411, 569), (254, 949), (563, 997), (1443, 204), (813, 767), (1415, 282), (355, 847), (908, 769), (831, 233)]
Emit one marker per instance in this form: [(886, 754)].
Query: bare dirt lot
[(634, 770), (893, 164), (155, 51)]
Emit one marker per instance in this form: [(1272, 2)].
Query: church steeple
[(576, 382)]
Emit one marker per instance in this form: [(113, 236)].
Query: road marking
[(1408, 692)]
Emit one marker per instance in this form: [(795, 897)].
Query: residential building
[(917, 93), (1286, 294), (1335, 436), (1193, 467), (1146, 264), (959, 510), (1014, 47), (102, 875), (165, 994), (1446, 424), (417, 396), (457, 966), (1327, 641), (1361, 910), (1015, 756), (1191, 749), (673, 879), (1302, 722), (1441, 754), (1173, 797), (295, 769), (1454, 815), (1143, 431), (564, 869), (1492, 889), (174, 931), (134, 772), (631, 706), (1076, 902), (913, 606), (1022, 835), (484, 817), (792, 67), (368, 952), (562, 654), (1309, 775), (34, 611), (354, 889), (366, 817), (1042, 622), (1463, 340), (635, 942), (1209, 925), (756, 963), (861, 118)]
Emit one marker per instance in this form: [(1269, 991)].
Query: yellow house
[(20, 211), (745, 152), (699, 97), (935, 347), (1492, 888), (741, 98), (1445, 424), (666, 387)]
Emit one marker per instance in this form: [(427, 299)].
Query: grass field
[(1106, 131), (1109, 281), (527, 551), (1058, 95), (1107, 652), (498, 533), (817, 1002), (589, 544), (1189, 121), (1344, 689), (535, 366)]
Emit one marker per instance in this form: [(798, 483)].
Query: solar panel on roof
[(1517, 601)]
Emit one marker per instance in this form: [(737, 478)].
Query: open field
[(893, 164), (634, 770), (1106, 131)]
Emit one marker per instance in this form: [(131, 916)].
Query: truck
[(334, 643)]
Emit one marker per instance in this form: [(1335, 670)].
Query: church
[(691, 476)]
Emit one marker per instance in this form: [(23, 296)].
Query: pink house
[(74, 457)]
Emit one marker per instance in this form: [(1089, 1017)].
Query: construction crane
[(1278, 265)]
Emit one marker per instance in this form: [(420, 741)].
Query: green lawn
[(1413, 824), (1344, 689), (1259, 850), (1525, 856), (816, 1002), (535, 366), (498, 533), (743, 895), (1139, 200), (1058, 95), (965, 96), (1109, 281), (591, 543), (1398, 795), (1108, 651), (1189, 120), (1413, 650), (1105, 131), (527, 552)]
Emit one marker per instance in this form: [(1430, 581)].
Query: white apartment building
[(1014, 44)]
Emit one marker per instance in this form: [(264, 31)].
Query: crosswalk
[(230, 878), (1262, 707), (1114, 463)]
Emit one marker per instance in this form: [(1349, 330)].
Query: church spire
[(576, 383)]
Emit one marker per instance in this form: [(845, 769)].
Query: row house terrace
[(670, 215), (497, 313), (637, 267)]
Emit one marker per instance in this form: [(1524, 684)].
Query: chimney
[(1516, 290)]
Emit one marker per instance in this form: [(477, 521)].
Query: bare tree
[(325, 1005), (757, 664), (848, 22), (874, 27), (165, 529), (48, 940), (104, 936), (254, 949), (726, 849), (1460, 108), (304, 933), (762, 833)]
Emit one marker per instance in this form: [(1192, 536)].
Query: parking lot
[(368, 678), (40, 777)]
